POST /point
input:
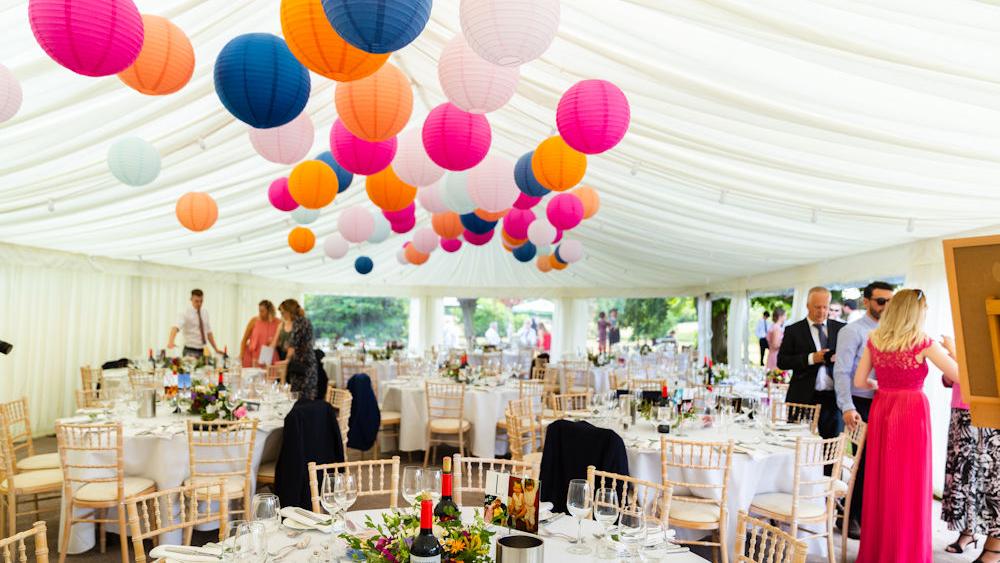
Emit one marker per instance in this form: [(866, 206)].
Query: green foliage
[(768, 303), (335, 316), (489, 310), (655, 317)]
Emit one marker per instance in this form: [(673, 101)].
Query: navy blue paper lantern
[(363, 265), (525, 252), (344, 177), (558, 257), (477, 224), (525, 178), (260, 82), (378, 26)]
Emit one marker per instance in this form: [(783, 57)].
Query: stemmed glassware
[(345, 492), (250, 543), (265, 508), (578, 501), (411, 484), (605, 508), (632, 527), (430, 483)]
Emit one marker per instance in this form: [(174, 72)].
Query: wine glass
[(578, 501), (251, 542), (411, 484), (632, 527), (230, 549), (345, 491), (605, 508), (328, 494), (430, 478), (265, 508)]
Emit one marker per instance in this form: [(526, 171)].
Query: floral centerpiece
[(391, 539), (776, 376), (205, 401), (599, 360), (645, 349)]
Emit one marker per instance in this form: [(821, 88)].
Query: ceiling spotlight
[(909, 225), (52, 206), (202, 143), (635, 168)]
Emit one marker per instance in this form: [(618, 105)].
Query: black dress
[(302, 372)]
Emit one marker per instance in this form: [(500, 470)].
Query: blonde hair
[(902, 324), (293, 308)]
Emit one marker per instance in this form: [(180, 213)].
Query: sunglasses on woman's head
[(920, 294)]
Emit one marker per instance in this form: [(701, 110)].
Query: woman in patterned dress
[(961, 501), (302, 368)]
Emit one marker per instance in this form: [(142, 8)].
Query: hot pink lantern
[(403, 225), (559, 234), (359, 156), (525, 201), (286, 144), (425, 240), (430, 198), (517, 221), (455, 139), (412, 164), (279, 196), (451, 244), (471, 83), (402, 214), (89, 37), (491, 184), (564, 211), (593, 116), (356, 224), (11, 94), (477, 239)]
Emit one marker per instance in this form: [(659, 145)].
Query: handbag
[(946, 382)]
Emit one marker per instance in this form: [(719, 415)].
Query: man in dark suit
[(807, 350)]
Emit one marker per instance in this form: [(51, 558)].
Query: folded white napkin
[(300, 516), (186, 553)]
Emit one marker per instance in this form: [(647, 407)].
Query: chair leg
[(461, 443), (123, 532), (723, 541), (830, 555), (102, 533), (67, 525), (12, 515), (843, 530)]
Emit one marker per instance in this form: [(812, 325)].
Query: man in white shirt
[(763, 325), (194, 325), (493, 336)]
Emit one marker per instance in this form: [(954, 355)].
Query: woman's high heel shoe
[(957, 547)]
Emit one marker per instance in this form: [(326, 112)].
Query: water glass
[(230, 549), (251, 542), (411, 484), (430, 483), (265, 508), (605, 508), (632, 527), (578, 501)]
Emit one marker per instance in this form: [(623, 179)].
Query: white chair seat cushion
[(391, 417), (781, 503), (101, 492), (34, 479), (234, 483), (840, 487), (40, 461), (449, 425), (694, 511), (267, 469)]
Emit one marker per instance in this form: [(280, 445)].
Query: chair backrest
[(523, 430), (759, 542), (7, 459), (138, 379), (646, 384), (349, 367), (373, 477), (550, 376), (810, 483), (576, 374), (796, 413), (533, 390), (17, 427), (89, 399), (92, 378), (469, 473), (277, 372), (712, 461), (341, 400), (91, 453), (777, 392), (180, 508), (566, 402), (221, 448), (445, 400), (538, 372), (849, 465), (14, 549), (632, 491)]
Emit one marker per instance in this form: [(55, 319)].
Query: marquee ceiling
[(765, 134)]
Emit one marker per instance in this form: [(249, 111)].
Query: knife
[(313, 517), (189, 551)]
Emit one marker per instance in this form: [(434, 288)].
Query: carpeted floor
[(942, 536)]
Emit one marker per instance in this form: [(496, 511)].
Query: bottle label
[(419, 559)]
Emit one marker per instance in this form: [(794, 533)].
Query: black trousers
[(763, 350), (863, 407), (193, 352), (831, 421)]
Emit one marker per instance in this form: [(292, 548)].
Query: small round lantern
[(491, 184), (590, 200), (359, 156), (134, 161), (196, 211), (378, 26), (557, 166), (564, 211), (430, 198), (455, 139), (316, 45), (412, 164), (335, 246), (89, 37), (286, 144), (363, 265), (344, 176), (593, 116), (11, 94), (388, 192), (471, 83), (312, 184), (279, 197), (447, 225), (376, 107), (356, 224), (260, 82), (301, 240), (509, 32), (166, 61)]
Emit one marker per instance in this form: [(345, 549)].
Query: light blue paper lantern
[(455, 193), (134, 161), (382, 229), (304, 216)]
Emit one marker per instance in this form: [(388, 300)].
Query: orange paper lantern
[(197, 211), (313, 184), (591, 201), (487, 216), (514, 242), (377, 107), (543, 263), (165, 63), (316, 45), (388, 192), (556, 264), (414, 256), (301, 240), (557, 166), (447, 225)]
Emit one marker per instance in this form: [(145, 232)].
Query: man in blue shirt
[(853, 402)]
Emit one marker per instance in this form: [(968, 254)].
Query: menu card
[(512, 501)]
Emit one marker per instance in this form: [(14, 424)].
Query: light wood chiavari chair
[(92, 378), (89, 399), (19, 438), (777, 392), (373, 478), (524, 432), (565, 403), (341, 399), (618, 379), (646, 384), (632, 491), (14, 548), (18, 488), (352, 366), (796, 413), (223, 450), (760, 542), (445, 417), (576, 377), (181, 508), (844, 486), (470, 474), (138, 379), (277, 372)]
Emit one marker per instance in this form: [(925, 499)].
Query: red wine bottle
[(425, 548), (446, 509)]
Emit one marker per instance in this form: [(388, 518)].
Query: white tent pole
[(704, 308), (737, 326)]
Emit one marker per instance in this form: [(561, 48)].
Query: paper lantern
[(382, 229), (401, 257), (593, 116), (301, 240), (304, 216), (541, 232), (525, 201), (472, 84), (477, 239), (564, 211), (517, 221), (335, 246), (455, 139), (425, 240), (412, 164), (356, 224), (525, 252), (166, 61), (559, 235), (316, 45), (556, 264), (543, 263), (513, 242), (89, 37), (447, 225), (378, 26), (359, 156), (403, 225), (260, 82), (491, 184), (570, 251), (557, 166), (488, 216), (11, 94), (415, 256), (507, 245), (134, 161), (473, 223), (406, 213), (525, 178), (286, 144), (451, 245), (376, 107), (344, 176), (279, 197), (430, 198), (363, 265), (456, 195), (509, 32), (545, 249), (312, 184), (196, 211), (388, 192), (590, 200)]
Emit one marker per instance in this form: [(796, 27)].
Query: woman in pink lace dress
[(896, 517)]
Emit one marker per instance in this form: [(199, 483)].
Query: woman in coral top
[(259, 333)]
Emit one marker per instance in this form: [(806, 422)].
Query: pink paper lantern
[(403, 225), (477, 239), (517, 221), (89, 37), (593, 116), (471, 83), (11, 94), (425, 240), (455, 139), (412, 164), (571, 251), (356, 224), (491, 184), (430, 198), (402, 214), (286, 144), (541, 233), (525, 201), (335, 246), (279, 196), (359, 156), (451, 244), (564, 211)]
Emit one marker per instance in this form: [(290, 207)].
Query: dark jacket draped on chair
[(365, 415), (311, 434), (569, 448)]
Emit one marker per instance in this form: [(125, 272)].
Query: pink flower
[(240, 412)]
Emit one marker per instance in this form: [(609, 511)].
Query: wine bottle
[(425, 548), (220, 389), (446, 509), (664, 397)]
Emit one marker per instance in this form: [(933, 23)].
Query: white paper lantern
[(430, 198), (382, 229), (471, 83), (425, 240), (335, 246), (541, 232), (455, 194), (304, 216), (134, 161), (356, 224), (401, 257), (543, 250), (491, 184), (571, 251), (11, 95), (411, 163), (286, 144), (509, 32)]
